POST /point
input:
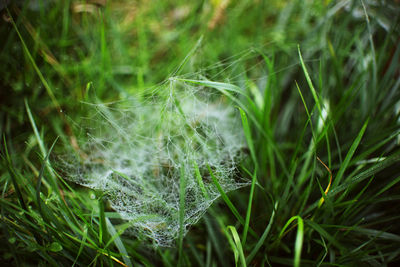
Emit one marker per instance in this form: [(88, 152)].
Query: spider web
[(135, 151)]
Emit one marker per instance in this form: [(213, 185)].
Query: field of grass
[(200, 133)]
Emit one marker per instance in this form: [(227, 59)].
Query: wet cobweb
[(134, 151)]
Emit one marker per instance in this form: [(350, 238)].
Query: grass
[(315, 85)]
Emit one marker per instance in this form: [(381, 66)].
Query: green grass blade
[(388, 186), (103, 233), (214, 234), (39, 73), (39, 180), (199, 180), (371, 42), (118, 242), (299, 238), (82, 245), (233, 246), (238, 245), (225, 197), (349, 155), (249, 139), (367, 173), (307, 112), (299, 242), (249, 206), (247, 134), (229, 202), (122, 228), (42, 150), (35, 130), (261, 241), (324, 233), (309, 81)]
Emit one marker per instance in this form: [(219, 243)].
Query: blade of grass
[(249, 206), (349, 155), (310, 84), (233, 246), (103, 233), (214, 233), (324, 233), (122, 228), (39, 180), (39, 73), (249, 139), (367, 173), (371, 42), (388, 186), (118, 242), (306, 108), (248, 136), (238, 246), (228, 201), (299, 238), (208, 257), (261, 241), (42, 150), (35, 130), (199, 179), (225, 197), (84, 237)]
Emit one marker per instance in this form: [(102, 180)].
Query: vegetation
[(314, 88)]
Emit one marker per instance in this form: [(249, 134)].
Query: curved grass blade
[(299, 238), (238, 250), (263, 237), (228, 201)]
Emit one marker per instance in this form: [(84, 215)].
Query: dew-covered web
[(134, 151)]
